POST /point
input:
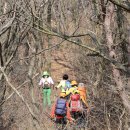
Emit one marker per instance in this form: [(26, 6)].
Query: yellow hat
[(62, 94), (73, 82)]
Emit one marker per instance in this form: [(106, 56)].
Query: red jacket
[(67, 114)]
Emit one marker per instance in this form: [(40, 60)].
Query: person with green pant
[(46, 83)]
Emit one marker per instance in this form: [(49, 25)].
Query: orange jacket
[(67, 114), (83, 95)]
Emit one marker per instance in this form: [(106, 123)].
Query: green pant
[(46, 97)]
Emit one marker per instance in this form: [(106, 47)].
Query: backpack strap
[(67, 85)]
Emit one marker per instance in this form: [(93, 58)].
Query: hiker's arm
[(41, 83), (59, 85), (51, 82)]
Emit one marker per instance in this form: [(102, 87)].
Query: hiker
[(47, 83), (75, 102), (76, 108), (74, 86), (64, 84), (60, 110), (83, 93), (78, 103)]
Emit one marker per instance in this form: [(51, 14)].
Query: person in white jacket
[(46, 83)]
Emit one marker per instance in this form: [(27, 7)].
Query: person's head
[(65, 77), (62, 95), (74, 83), (45, 74)]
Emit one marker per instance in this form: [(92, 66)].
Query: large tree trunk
[(116, 73), (2, 84), (128, 49)]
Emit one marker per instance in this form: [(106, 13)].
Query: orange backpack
[(83, 93)]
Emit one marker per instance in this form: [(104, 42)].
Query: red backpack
[(75, 103)]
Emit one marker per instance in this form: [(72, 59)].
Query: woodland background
[(88, 39)]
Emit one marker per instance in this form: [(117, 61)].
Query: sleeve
[(51, 81), (59, 85)]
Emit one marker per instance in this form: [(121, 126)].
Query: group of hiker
[(72, 98)]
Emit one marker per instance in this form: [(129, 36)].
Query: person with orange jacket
[(60, 110), (83, 93)]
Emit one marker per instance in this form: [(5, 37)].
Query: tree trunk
[(49, 37), (116, 73)]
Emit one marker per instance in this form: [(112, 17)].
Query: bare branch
[(67, 38), (17, 92), (123, 4), (18, 89), (4, 28)]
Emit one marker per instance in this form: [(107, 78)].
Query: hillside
[(87, 39)]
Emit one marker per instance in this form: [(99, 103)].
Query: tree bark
[(49, 37), (116, 73)]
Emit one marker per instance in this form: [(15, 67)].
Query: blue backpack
[(67, 85), (61, 108)]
